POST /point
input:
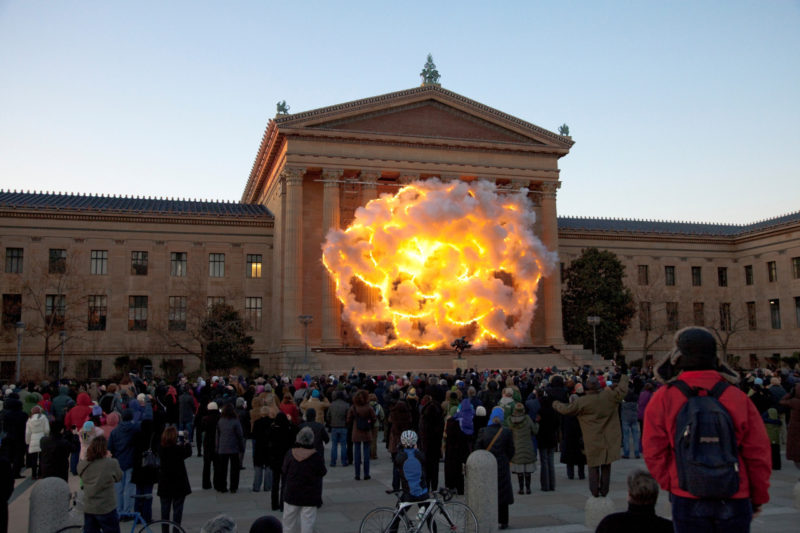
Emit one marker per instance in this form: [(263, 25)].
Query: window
[(12, 310), (13, 260), (722, 276), (254, 266), (725, 316), (138, 263), (672, 316), (775, 313), (177, 313), (795, 267), (644, 278), (669, 275), (211, 301), (797, 311), (58, 261), (772, 271), (699, 313), (98, 309), (216, 265), (697, 276), (94, 368), (252, 312), (748, 275), (644, 316), (752, 323), (99, 262), (53, 369), (55, 310), (177, 264), (8, 370), (137, 313)]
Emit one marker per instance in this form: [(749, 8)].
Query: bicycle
[(156, 526), (439, 515)]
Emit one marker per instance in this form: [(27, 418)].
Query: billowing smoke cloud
[(437, 261)]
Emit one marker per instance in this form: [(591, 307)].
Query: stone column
[(369, 192), (293, 257), (331, 314), (551, 285)]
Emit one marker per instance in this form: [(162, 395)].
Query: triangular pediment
[(428, 112), (427, 119)]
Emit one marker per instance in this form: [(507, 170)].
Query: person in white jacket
[(37, 427)]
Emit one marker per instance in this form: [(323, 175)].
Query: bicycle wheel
[(161, 526), (455, 517), (382, 520)]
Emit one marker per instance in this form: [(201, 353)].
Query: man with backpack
[(704, 440)]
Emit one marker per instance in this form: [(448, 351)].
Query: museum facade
[(131, 277)]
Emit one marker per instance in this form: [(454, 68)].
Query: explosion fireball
[(437, 261)]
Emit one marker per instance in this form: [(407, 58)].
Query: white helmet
[(408, 439)]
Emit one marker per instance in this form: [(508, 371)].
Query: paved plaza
[(347, 500)]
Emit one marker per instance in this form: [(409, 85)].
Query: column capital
[(405, 179), (370, 176), (331, 174), (549, 189), (293, 175)]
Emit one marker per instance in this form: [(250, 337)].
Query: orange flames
[(437, 261)]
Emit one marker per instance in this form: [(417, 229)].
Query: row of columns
[(292, 289)]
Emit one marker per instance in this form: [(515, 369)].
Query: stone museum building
[(98, 278)]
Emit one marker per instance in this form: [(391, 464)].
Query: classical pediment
[(427, 112)]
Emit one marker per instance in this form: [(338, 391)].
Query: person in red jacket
[(80, 413), (694, 361)]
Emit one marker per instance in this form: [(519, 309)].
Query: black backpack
[(706, 452)]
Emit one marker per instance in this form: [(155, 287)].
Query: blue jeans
[(101, 523), (262, 473), (696, 516), (630, 429), (125, 492), (358, 447), (547, 476), (187, 428), (339, 441), (144, 506)]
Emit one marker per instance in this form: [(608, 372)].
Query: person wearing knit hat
[(523, 463), (267, 524), (499, 441), (303, 470), (694, 362)]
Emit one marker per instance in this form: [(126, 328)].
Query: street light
[(306, 321), (594, 321), (20, 331), (63, 336)]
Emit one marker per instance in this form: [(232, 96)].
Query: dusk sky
[(680, 110)]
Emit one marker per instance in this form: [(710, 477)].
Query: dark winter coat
[(792, 401), (523, 431), (400, 418), (210, 432), (636, 518), (281, 439), (173, 481), (456, 451), (572, 446), (321, 436), (145, 440), (261, 432), (121, 443), (230, 436), (303, 470), (54, 457), (186, 408), (60, 403), (503, 451), (431, 430)]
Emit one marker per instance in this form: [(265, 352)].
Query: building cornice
[(101, 216)]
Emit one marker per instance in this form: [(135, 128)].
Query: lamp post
[(63, 336), (20, 331), (594, 321), (306, 321)]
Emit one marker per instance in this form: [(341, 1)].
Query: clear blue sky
[(681, 110)]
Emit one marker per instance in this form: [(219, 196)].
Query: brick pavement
[(346, 501)]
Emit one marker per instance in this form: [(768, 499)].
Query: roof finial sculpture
[(429, 74), (564, 130), (283, 109)]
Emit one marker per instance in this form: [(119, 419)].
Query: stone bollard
[(481, 489), (796, 492), (596, 510), (49, 507)]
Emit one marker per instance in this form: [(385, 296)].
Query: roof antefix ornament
[(429, 74)]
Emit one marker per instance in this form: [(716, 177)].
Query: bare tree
[(726, 326), (651, 303), (54, 294)]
